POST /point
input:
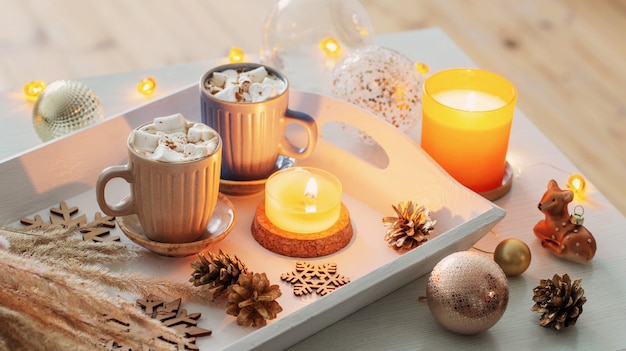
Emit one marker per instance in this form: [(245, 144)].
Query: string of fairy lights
[(331, 48), (512, 255)]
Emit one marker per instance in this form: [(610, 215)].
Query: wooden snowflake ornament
[(97, 230), (322, 278), (170, 314)]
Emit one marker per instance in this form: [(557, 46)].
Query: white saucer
[(219, 226), (250, 187)]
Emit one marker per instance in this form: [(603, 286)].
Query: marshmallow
[(231, 74), (200, 132), (228, 93), (194, 141), (212, 144), (165, 154), (193, 151), (144, 140), (175, 141), (277, 84), (257, 75), (171, 124), (260, 92), (250, 86), (243, 78), (218, 79)]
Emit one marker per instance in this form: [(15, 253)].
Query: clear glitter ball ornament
[(63, 107), (383, 82), (467, 292), (297, 34)]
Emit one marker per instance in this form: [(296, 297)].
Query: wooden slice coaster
[(306, 245)]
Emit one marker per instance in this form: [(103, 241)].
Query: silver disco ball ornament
[(383, 82), (63, 107)]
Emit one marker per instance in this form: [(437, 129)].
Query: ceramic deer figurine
[(557, 231)]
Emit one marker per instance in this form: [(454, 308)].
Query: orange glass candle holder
[(466, 123)]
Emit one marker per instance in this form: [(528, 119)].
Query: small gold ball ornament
[(467, 292), (513, 256)]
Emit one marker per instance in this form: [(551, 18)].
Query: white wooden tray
[(373, 178)]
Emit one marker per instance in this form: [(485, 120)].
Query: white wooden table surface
[(399, 321)]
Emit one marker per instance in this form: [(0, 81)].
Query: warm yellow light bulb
[(235, 55), (576, 183), (330, 46), (34, 89), (422, 67), (146, 86)]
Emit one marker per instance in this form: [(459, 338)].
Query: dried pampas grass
[(55, 290), (60, 247), (55, 310), (57, 242)]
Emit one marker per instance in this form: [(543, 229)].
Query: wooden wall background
[(566, 57)]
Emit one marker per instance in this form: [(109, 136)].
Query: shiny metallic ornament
[(513, 256), (63, 107), (467, 292), (577, 218)]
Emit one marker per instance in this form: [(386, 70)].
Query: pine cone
[(252, 300), (559, 301), (410, 229), (218, 271)]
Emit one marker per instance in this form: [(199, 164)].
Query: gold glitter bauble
[(467, 293), (63, 107), (513, 256), (383, 82)]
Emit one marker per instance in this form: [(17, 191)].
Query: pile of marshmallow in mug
[(249, 86)]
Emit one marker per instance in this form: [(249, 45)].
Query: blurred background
[(566, 57)]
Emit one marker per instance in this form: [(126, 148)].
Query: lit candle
[(466, 122), (302, 199)]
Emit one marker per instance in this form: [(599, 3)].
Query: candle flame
[(310, 194)]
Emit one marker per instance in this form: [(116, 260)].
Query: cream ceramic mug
[(253, 132), (174, 199)]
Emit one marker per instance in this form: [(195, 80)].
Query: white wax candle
[(469, 100)]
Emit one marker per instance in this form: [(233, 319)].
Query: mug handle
[(127, 205), (306, 121)]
